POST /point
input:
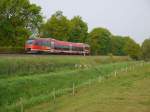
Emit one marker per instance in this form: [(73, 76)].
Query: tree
[(146, 49), (117, 45), (99, 39), (78, 30), (131, 48), (57, 27), (17, 18)]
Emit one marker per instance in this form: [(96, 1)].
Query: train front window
[(29, 42)]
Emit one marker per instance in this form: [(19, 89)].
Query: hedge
[(6, 50)]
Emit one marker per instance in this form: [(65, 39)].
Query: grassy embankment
[(15, 65), (33, 77), (127, 92)]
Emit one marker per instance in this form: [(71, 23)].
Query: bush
[(11, 50)]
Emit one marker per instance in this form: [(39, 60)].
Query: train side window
[(47, 44), (43, 43), (74, 48), (66, 48), (57, 47), (37, 43)]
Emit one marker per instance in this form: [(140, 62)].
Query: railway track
[(24, 54)]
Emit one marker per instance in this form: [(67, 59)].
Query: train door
[(70, 48), (52, 45)]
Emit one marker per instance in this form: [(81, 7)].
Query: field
[(127, 92), (37, 83)]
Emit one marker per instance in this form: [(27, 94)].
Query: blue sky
[(121, 17)]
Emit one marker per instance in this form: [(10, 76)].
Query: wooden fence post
[(21, 105), (126, 69), (73, 89), (130, 68), (99, 79), (54, 94), (141, 64), (115, 74), (133, 68)]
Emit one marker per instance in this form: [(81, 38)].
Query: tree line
[(19, 19)]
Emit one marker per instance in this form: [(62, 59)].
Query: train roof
[(64, 43)]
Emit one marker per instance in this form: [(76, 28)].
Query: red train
[(54, 46)]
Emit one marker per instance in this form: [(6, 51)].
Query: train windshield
[(29, 42)]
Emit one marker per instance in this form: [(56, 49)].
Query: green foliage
[(78, 30), (57, 27), (11, 49), (146, 49), (131, 48), (61, 28), (117, 45), (103, 42), (125, 46), (99, 39), (17, 18)]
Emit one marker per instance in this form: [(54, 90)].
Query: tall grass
[(35, 89), (33, 77), (27, 65)]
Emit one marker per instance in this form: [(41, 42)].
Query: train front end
[(38, 45), (29, 45)]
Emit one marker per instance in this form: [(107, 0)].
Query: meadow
[(32, 79), (126, 92), (36, 64)]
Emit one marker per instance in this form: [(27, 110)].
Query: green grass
[(35, 89), (15, 65), (128, 92), (34, 77)]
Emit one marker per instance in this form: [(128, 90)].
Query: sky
[(121, 17)]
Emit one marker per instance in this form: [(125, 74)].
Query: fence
[(74, 88)]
